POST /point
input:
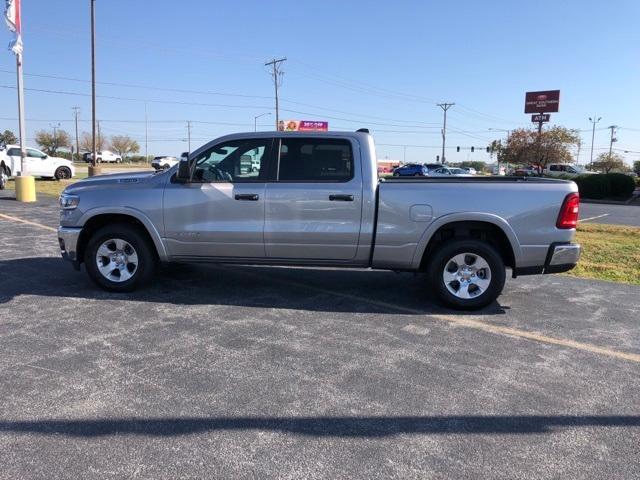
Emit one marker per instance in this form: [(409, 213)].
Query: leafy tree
[(526, 147), (123, 145), (636, 166), (607, 162), (7, 137), (86, 142), (50, 143)]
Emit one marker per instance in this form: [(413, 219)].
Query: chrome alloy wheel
[(117, 260), (467, 275)]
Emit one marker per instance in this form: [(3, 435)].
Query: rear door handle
[(251, 197), (341, 198)]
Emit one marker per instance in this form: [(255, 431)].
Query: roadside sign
[(541, 102), (303, 126), (541, 117)]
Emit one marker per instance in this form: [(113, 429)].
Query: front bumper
[(68, 240)]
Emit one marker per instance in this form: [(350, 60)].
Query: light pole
[(593, 120), (255, 120), (94, 163), (508, 136)]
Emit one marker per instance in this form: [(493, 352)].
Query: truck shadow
[(352, 427), (314, 289)]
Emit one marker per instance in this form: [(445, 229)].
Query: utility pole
[(444, 107), (277, 78), (93, 84), (146, 134), (99, 136), (76, 113), (189, 135), (613, 138), (55, 127), (593, 120)]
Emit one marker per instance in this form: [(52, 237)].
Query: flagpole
[(21, 127)]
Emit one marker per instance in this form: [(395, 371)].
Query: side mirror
[(183, 175)]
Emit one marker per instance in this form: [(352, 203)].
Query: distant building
[(386, 166)]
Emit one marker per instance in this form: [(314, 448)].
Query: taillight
[(568, 217)]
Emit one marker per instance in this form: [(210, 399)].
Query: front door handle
[(340, 198), (251, 197)]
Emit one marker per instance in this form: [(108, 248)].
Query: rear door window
[(315, 160)]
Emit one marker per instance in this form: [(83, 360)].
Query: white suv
[(163, 163), (38, 163), (105, 156), (559, 169)]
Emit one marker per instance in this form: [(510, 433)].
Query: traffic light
[(473, 148), (457, 149), (437, 158), (488, 149)]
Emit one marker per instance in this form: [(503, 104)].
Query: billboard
[(302, 126), (542, 102)]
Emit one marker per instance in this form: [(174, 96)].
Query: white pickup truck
[(314, 199)]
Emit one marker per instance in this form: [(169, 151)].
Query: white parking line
[(593, 218)]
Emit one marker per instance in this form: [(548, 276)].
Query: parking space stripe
[(21, 220), (475, 324), (593, 218)]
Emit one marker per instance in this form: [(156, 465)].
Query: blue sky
[(381, 65)]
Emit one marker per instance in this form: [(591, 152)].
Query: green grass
[(609, 252), (50, 187)]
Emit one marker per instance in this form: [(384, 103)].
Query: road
[(261, 372), (610, 214)]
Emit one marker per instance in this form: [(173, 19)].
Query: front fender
[(466, 217), (132, 212)]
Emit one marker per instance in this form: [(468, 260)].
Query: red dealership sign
[(542, 102)]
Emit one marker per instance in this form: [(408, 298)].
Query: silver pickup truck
[(315, 199)]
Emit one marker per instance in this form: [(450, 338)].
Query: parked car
[(525, 171), (163, 162), (38, 164), (562, 169), (317, 200), (184, 156), (449, 172), (105, 156), (432, 166), (411, 170), (470, 170)]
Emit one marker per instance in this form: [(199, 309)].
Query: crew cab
[(37, 163), (316, 200)]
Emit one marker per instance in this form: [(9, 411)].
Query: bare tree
[(86, 143)]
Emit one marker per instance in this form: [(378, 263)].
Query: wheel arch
[(93, 220), (481, 226)]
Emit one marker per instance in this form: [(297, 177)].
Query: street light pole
[(277, 74), (593, 120), (255, 120)]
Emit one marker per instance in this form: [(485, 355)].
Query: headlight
[(69, 202)]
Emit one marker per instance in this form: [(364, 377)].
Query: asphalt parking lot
[(610, 214), (256, 372)]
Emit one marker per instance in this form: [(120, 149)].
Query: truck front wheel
[(119, 258), (466, 274)]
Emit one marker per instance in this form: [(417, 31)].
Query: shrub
[(622, 185), (608, 185)]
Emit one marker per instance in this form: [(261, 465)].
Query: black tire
[(62, 173), (441, 258), (416, 174), (147, 261), (396, 174)]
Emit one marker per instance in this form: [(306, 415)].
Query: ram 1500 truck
[(315, 199)]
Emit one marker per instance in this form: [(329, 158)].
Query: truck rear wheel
[(119, 258), (466, 274)]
